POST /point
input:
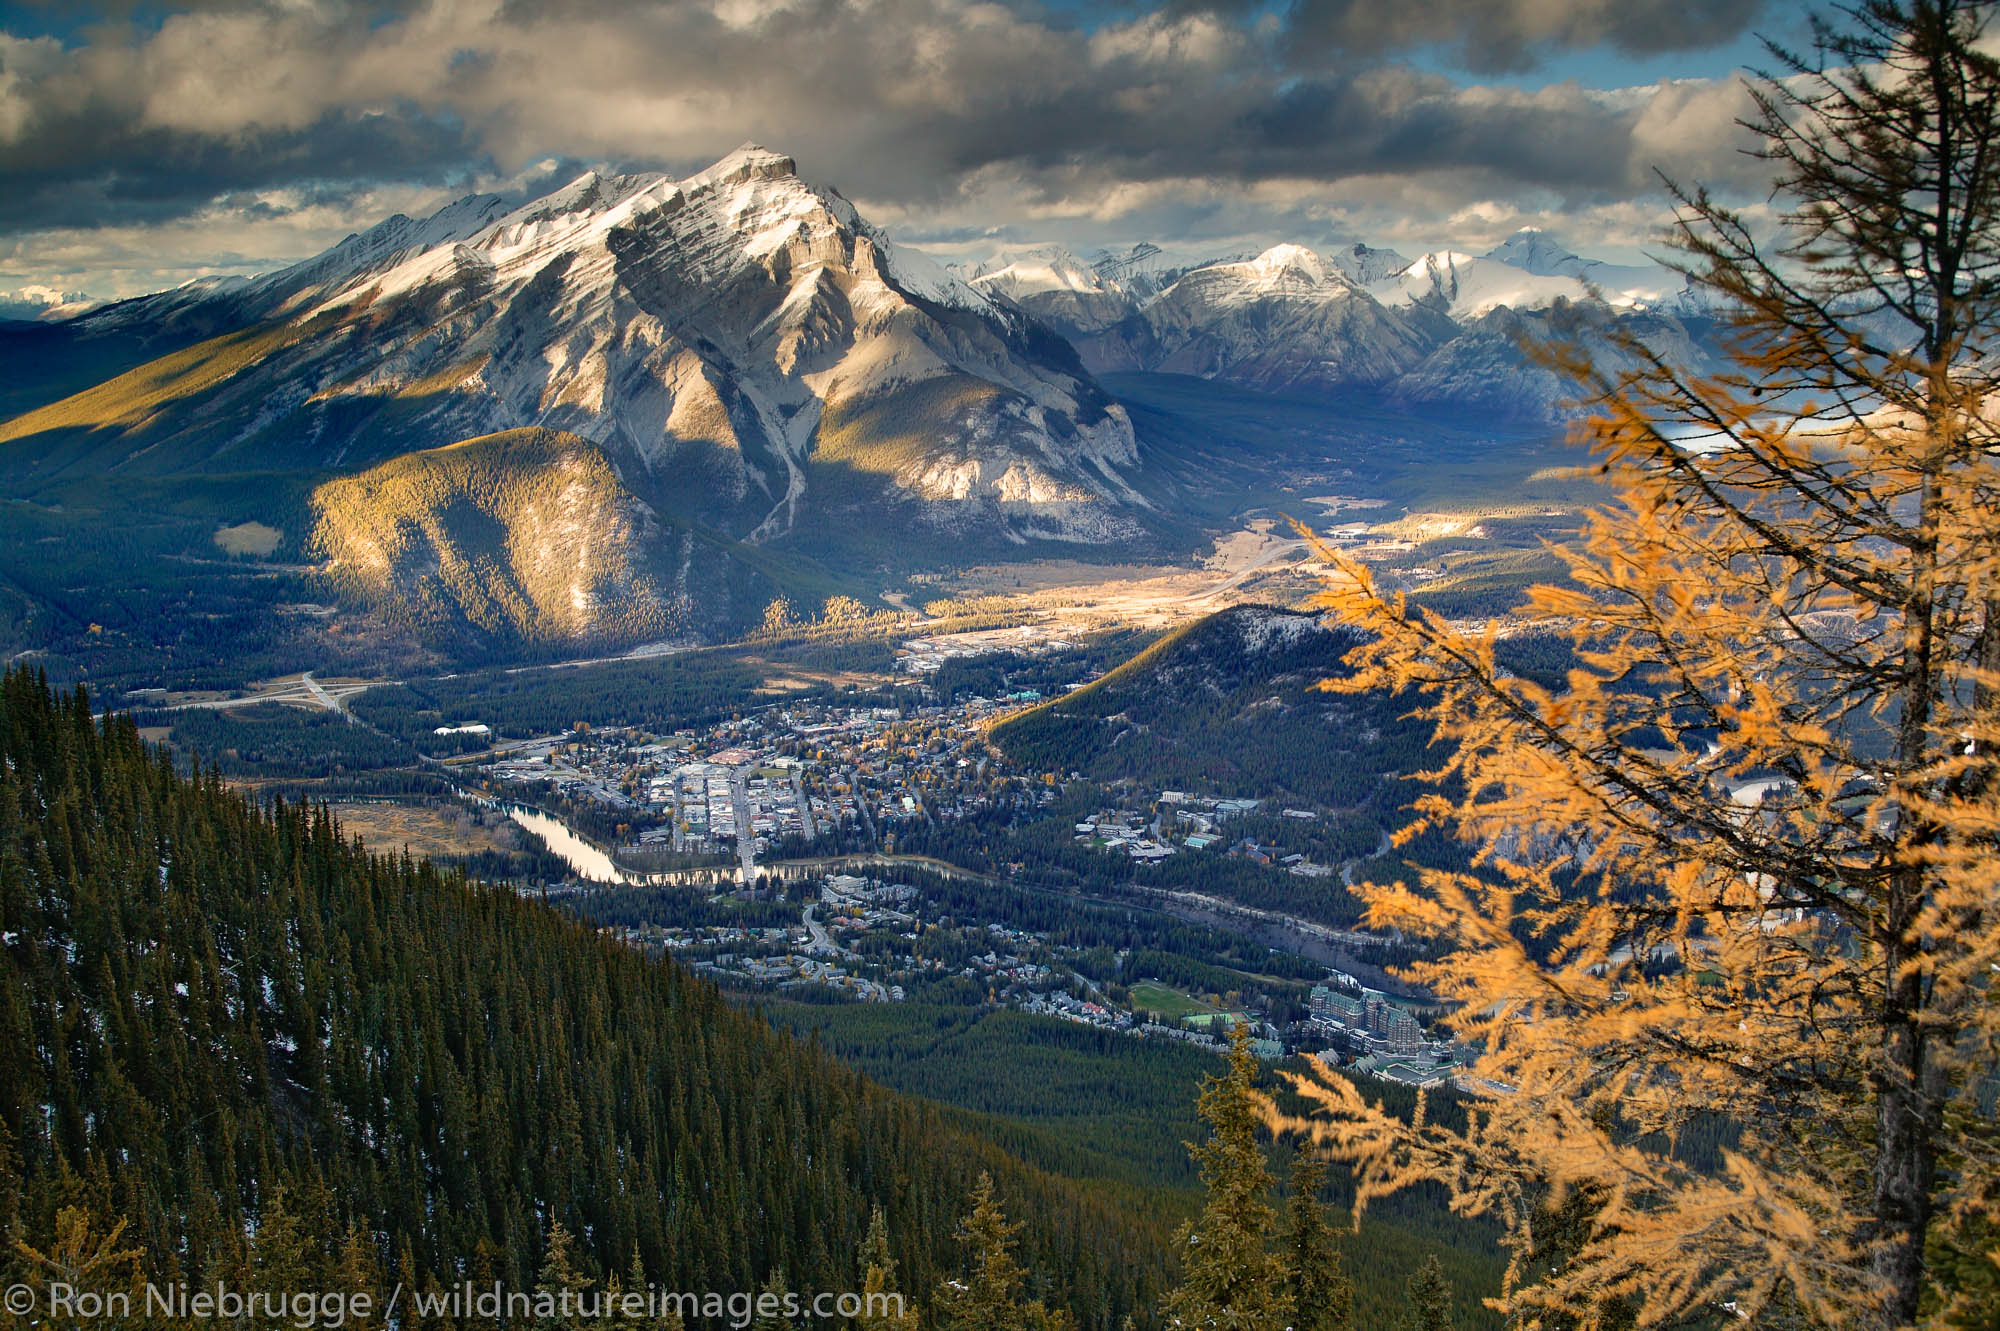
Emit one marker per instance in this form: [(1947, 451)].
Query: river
[(586, 860)]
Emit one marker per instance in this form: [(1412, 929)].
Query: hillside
[(760, 376), (523, 536), (218, 1021), (1226, 705)]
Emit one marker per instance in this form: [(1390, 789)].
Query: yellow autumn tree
[(1739, 874)]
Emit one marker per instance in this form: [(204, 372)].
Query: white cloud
[(240, 138)]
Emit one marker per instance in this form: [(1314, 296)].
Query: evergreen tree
[(1322, 1296), (882, 1305), (988, 1296), (186, 961), (560, 1284), (359, 1271), (285, 1255), (1560, 1229), (84, 1257), (772, 1314), (1230, 1278), (1430, 1299)]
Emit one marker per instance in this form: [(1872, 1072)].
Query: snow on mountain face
[(1283, 320), (1465, 287), (1622, 286), (1444, 331), (1145, 270), (1531, 250), (1365, 265), (1264, 629), (1484, 367), (1017, 273), (698, 330), (1056, 287), (1077, 297)]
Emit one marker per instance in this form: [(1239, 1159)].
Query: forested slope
[(205, 1004), (1228, 705)]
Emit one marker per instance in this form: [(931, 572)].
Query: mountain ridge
[(696, 329), (1444, 330)]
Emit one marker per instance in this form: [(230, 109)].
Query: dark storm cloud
[(909, 104), (128, 174), (1499, 36), (1347, 125)]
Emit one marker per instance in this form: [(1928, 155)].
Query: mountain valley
[(750, 383), (911, 656)]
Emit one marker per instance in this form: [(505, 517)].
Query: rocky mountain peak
[(1290, 265), (750, 161), (700, 331), (1364, 264), (1532, 250)]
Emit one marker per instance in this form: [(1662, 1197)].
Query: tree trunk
[(1907, 1117), (1906, 1126)]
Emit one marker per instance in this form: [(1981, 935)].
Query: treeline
[(215, 1015), (1075, 1099), (119, 580), (659, 693), (1252, 1254)]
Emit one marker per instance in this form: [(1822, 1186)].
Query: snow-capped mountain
[(1621, 286), (1074, 295), (1056, 287), (1145, 270), (1284, 320), (1526, 272), (595, 405), (701, 331), (1364, 264), (1465, 287), (1446, 329)]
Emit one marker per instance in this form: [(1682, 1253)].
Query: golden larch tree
[(1737, 874)]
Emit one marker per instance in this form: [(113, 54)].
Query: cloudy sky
[(142, 145)]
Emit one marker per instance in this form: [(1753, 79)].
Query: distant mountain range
[(644, 407), (1444, 330)]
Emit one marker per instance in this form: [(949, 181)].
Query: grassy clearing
[(1168, 1002), (425, 831), (248, 538)]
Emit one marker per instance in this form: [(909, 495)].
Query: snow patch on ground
[(1265, 630)]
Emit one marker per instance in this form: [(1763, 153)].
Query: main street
[(746, 835)]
